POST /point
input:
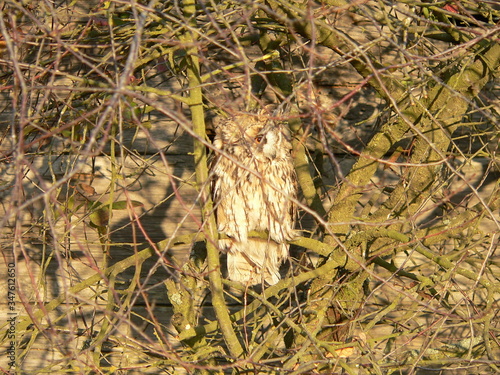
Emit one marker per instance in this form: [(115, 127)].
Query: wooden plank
[(60, 245), (132, 342), (156, 134)]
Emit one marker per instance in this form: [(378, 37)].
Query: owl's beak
[(269, 150)]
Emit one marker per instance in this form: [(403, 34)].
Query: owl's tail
[(255, 261)]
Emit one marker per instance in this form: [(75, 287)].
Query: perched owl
[(254, 185)]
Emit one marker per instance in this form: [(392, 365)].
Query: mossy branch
[(317, 246), (202, 180), (137, 259), (467, 82), (438, 116)]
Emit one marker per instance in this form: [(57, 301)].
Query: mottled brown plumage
[(254, 183)]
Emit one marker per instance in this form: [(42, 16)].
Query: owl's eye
[(259, 138)]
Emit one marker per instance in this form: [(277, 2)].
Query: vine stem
[(201, 171)]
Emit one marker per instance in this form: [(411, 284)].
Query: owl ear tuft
[(216, 121), (266, 112), (219, 119), (268, 109)]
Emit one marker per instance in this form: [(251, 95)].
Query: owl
[(254, 189)]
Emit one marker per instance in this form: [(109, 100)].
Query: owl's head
[(253, 136)]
